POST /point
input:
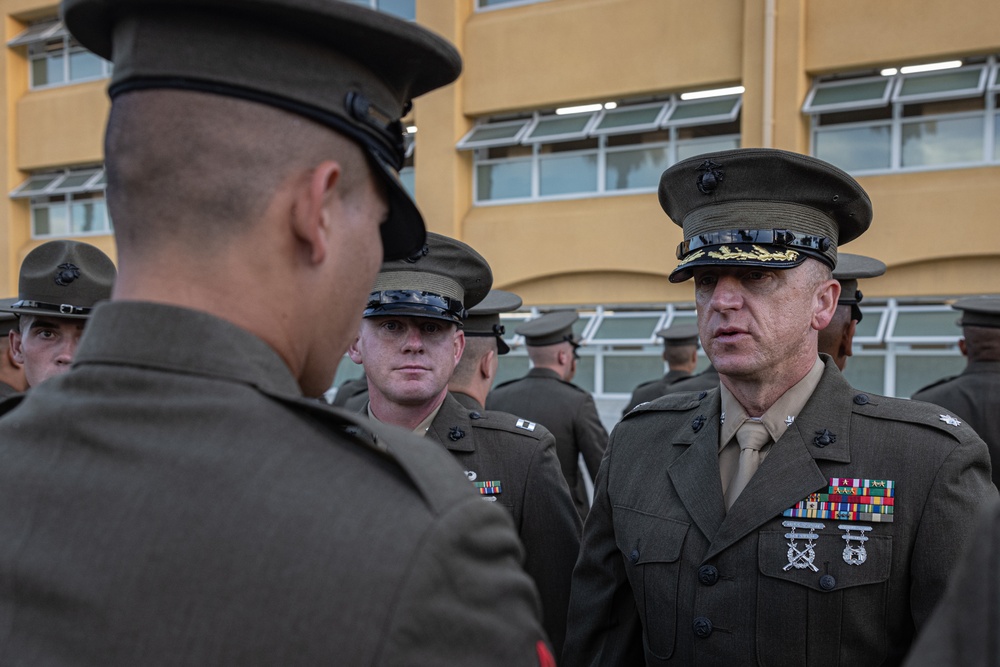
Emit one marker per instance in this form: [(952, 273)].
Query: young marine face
[(45, 346), (754, 322), (408, 360)]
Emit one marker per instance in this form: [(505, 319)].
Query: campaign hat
[(62, 278)]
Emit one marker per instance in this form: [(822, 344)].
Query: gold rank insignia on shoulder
[(849, 499), (525, 424), (758, 255)]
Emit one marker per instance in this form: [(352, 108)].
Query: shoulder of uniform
[(647, 383), (912, 412), (507, 383), (572, 386), (932, 385), (495, 420), (677, 402)]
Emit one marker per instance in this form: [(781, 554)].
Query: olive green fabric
[(550, 329), (979, 311), (175, 500), (667, 577), (62, 278), (647, 391), (483, 319), (568, 412)]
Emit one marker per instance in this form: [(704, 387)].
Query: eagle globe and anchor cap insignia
[(710, 177), (66, 273)]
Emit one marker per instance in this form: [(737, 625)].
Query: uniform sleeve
[(550, 530), (603, 624), (962, 629), (466, 600), (591, 437), (960, 489)]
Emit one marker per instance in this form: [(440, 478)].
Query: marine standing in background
[(12, 380), (680, 351), (785, 518), (181, 497), (974, 395), (837, 339), (411, 339), (546, 395), (59, 284)]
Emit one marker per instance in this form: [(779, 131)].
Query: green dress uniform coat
[(175, 500), (568, 412), (667, 577), (7, 391), (521, 461), (973, 396), (962, 631), (647, 391), (703, 381)]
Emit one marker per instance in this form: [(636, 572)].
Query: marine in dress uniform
[(59, 284), (680, 351), (703, 381), (416, 314), (825, 541), (546, 396), (837, 339), (974, 395), (181, 497)]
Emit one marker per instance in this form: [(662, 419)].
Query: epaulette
[(676, 402), (911, 412), (935, 384), (504, 421)]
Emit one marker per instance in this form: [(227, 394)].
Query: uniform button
[(827, 582), (634, 556), (702, 627), (475, 415), (702, 395), (861, 399), (708, 575)]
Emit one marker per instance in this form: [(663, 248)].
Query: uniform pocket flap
[(830, 563), (647, 538)]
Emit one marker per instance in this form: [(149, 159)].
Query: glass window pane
[(54, 69), (493, 133), (503, 180), (947, 141), (84, 65), (512, 366), (868, 326), (629, 117), (40, 72), (687, 111), (40, 225), (866, 373), (949, 81), (686, 149), (407, 176), (623, 373), (914, 373), (685, 317), (74, 180), (581, 324), (347, 370), (996, 142), (35, 184), (565, 174), (854, 148), (406, 9), (850, 95), (57, 219), (923, 323), (559, 126), (627, 328), (511, 323), (641, 168), (584, 377), (89, 216)]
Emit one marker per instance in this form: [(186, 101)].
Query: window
[(498, 4), (907, 121), (66, 203), (405, 9), (621, 149), (56, 59)]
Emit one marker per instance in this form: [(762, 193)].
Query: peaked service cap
[(679, 334), (440, 281), (849, 269), (63, 279), (483, 319), (550, 329), (979, 311), (761, 207), (348, 67)]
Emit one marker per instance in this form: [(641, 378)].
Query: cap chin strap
[(61, 309)]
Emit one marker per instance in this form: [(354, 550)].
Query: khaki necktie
[(752, 436)]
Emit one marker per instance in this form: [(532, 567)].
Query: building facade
[(545, 155)]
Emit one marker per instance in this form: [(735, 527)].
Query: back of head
[(980, 324)]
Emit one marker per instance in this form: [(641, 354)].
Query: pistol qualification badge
[(804, 557), (855, 554)]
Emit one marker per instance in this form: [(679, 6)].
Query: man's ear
[(313, 212), (354, 351), (961, 346), (459, 342), (825, 304), (486, 366), (16, 352)]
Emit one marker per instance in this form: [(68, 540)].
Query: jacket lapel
[(791, 470), (452, 426), (695, 472)]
